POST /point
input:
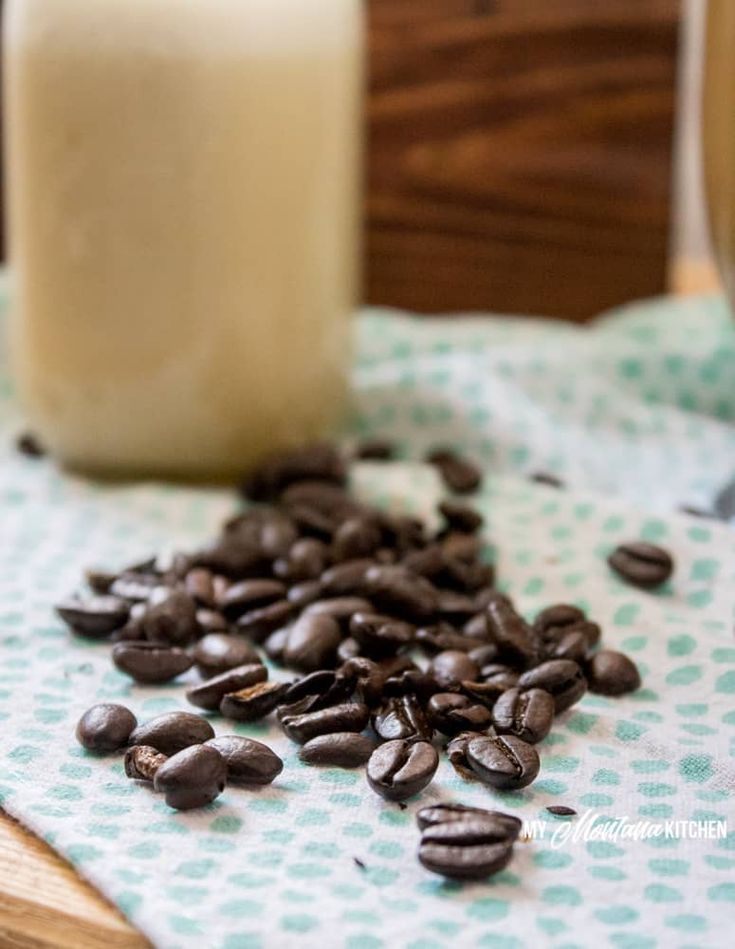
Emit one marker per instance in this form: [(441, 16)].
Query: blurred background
[(533, 156)]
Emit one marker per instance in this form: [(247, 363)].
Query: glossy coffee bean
[(209, 694), (455, 607), (191, 778), (338, 750), (380, 635), (456, 750), (642, 564), (199, 584), (451, 667), (312, 643), (105, 727), (517, 643), (572, 645), (459, 474), (400, 769), (402, 717), (452, 713), (562, 678), (399, 592), (356, 537), (306, 560), (527, 714), (506, 762), (248, 595), (275, 643), (272, 476), (341, 608), (253, 702), (460, 517), (347, 717), (211, 621), (470, 849), (248, 761), (319, 682), (303, 594), (172, 731), (142, 762), (172, 619), (508, 827), (411, 682), (612, 673), (217, 652), (94, 617), (443, 637), (559, 614), (149, 662), (259, 623)]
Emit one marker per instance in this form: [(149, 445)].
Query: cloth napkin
[(635, 415)]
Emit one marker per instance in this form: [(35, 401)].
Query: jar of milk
[(183, 186)]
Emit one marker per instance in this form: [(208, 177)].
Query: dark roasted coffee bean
[(456, 750), (455, 607), (508, 827), (349, 648), (346, 578), (528, 715), (248, 544), (306, 560), (452, 713), (192, 778), (642, 564), (142, 762), (563, 678), (172, 731), (484, 655), (487, 595), (218, 652), (348, 717), (135, 587), (380, 635), (517, 643), (612, 673), (402, 717), (99, 581), (342, 608), (550, 480), (561, 810), (248, 761), (375, 449), (211, 621), (328, 504), (29, 445), (427, 562), (572, 645), (505, 762), (460, 517), (411, 681), (470, 849), (401, 593), (95, 616), (199, 584), (275, 643), (459, 474), (494, 680), (151, 663), (304, 593), (253, 702), (553, 636), (443, 638), (319, 682), (209, 694), (399, 769), (105, 727), (312, 643), (451, 667), (248, 595), (460, 549), (338, 749), (403, 532), (318, 461), (171, 620), (560, 614), (261, 622), (355, 538), (468, 577)]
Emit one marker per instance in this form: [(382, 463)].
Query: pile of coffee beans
[(402, 644)]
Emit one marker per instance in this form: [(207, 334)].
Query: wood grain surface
[(519, 153)]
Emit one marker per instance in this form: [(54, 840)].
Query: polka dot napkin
[(635, 415)]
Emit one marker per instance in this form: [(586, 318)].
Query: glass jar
[(183, 193)]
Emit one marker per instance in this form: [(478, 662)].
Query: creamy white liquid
[(183, 211)]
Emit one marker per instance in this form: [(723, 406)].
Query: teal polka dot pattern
[(276, 866)]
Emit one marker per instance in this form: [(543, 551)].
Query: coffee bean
[(401, 593), (199, 584), (142, 762), (319, 682), (341, 608), (560, 614), (528, 715), (347, 578), (484, 655), (459, 474), (105, 727), (94, 617), (217, 652), (302, 594), (355, 538), (171, 620), (562, 678), (253, 702), (248, 761), (135, 587), (261, 622), (375, 449), (402, 717), (460, 517), (99, 581), (550, 480), (411, 681), (249, 595), (452, 713), (642, 564), (348, 717), (348, 649), (505, 762), (209, 694), (29, 445), (192, 778), (211, 621), (427, 562), (172, 731), (465, 850), (319, 508), (151, 663), (572, 645), (399, 769), (456, 750), (275, 644), (312, 643), (509, 827), (451, 667), (317, 461), (612, 673), (561, 810), (402, 532), (516, 641), (306, 560), (338, 749), (443, 638), (460, 550), (248, 544), (380, 635)]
